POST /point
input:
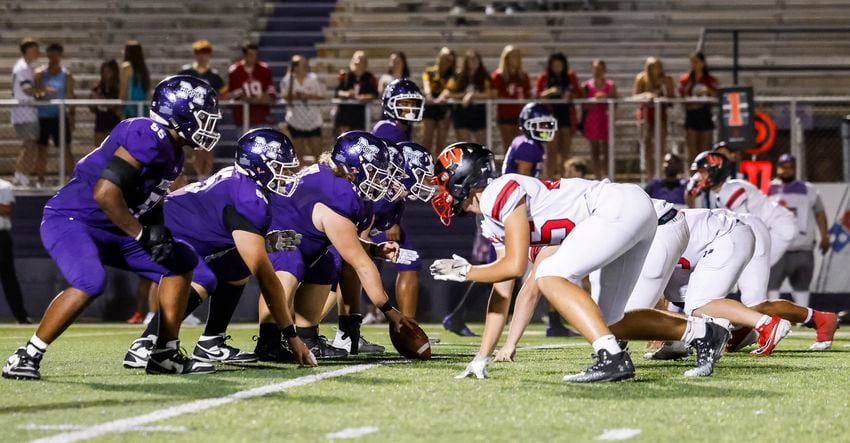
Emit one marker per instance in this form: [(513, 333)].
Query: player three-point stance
[(599, 225), (713, 170), (229, 214), (94, 221), (331, 204)]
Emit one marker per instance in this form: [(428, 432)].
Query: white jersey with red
[(743, 197), (553, 208)]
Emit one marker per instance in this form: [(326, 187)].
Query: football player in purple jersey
[(230, 211), (94, 221), (402, 105)]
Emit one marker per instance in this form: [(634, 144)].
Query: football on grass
[(411, 342)]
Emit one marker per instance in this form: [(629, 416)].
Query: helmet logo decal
[(198, 94), (451, 156), (261, 146), (419, 156), (367, 151)]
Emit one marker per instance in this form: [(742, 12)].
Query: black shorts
[(472, 118), (49, 130), (351, 116), (699, 119), (435, 112), (297, 133)]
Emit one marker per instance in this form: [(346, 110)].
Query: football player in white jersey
[(742, 197), (798, 263), (601, 225)]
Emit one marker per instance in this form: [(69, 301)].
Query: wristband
[(373, 249), (386, 307), (288, 332)]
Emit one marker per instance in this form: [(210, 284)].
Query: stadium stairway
[(292, 27)]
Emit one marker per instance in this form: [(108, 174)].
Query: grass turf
[(792, 395)]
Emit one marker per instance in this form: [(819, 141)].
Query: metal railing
[(809, 126)]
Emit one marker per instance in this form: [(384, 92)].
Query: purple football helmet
[(268, 157), (366, 158), (537, 122), (188, 105), (419, 171), (396, 189), (402, 100)]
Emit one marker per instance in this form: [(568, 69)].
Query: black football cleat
[(273, 350), (22, 366), (670, 350), (343, 341), (709, 348), (320, 348), (457, 326), (608, 367), (173, 361), (138, 354), (216, 349)]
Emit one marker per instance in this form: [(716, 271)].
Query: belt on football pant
[(669, 215)]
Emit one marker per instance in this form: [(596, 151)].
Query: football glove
[(407, 256), (450, 269), (157, 240), (282, 240), (476, 368)]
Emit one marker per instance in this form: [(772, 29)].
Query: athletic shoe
[(771, 334), (191, 320), (216, 349), (709, 349), (741, 338), (320, 348), (273, 350), (457, 326), (343, 341), (607, 368), (173, 361), (139, 352), (22, 366), (825, 325), (136, 319), (670, 350)]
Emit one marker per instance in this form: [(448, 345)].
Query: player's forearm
[(820, 217), (526, 301), (112, 203), (497, 314), (371, 281)]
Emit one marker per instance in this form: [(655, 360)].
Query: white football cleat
[(821, 346)]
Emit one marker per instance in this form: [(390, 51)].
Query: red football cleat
[(771, 334), (741, 338), (825, 325), (136, 319)]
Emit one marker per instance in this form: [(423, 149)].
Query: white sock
[(809, 315), (36, 346), (773, 295), (695, 329), (209, 337), (765, 319), (608, 343), (801, 298)]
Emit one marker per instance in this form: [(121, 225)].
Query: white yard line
[(618, 434), (553, 346), (352, 432), (125, 424), (88, 334), (70, 427)]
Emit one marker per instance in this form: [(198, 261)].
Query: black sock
[(269, 332), (307, 332), (223, 304), (343, 322), (555, 320), (194, 301)]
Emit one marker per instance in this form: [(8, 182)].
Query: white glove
[(406, 256), (450, 269), (477, 368), (282, 240)]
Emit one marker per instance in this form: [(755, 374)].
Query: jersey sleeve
[(733, 196), (528, 152), (251, 203), (143, 140), (344, 201), (493, 233), (501, 197)]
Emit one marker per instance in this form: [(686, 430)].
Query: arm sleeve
[(234, 221)]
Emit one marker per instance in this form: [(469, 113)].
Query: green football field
[(85, 394)]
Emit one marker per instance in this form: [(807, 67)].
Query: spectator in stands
[(699, 127), (396, 68), (576, 167), (471, 85), (202, 159), (250, 81), (652, 83), (106, 117), (25, 118), (671, 186), (135, 80), (357, 86), (558, 81), (8, 276), (57, 82), (300, 87), (511, 82), (595, 118), (435, 121)]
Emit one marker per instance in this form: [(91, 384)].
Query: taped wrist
[(386, 307)]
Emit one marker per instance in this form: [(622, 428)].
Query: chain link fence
[(622, 139)]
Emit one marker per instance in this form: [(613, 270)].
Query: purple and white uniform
[(79, 236), (527, 150), (196, 214), (390, 131)]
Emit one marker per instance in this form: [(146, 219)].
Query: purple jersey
[(316, 184), (195, 213), (387, 214), (527, 150), (148, 143), (390, 131), (671, 190)]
